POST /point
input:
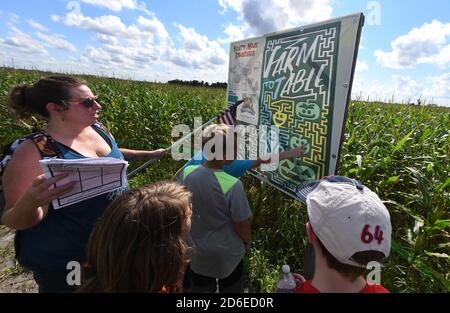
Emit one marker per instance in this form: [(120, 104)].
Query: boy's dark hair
[(349, 271)]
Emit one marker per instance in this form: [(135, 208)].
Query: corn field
[(401, 152)]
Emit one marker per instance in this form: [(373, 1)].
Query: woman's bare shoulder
[(26, 156)]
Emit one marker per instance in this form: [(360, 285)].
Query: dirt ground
[(13, 278)]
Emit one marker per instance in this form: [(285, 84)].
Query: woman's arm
[(26, 190), (132, 155)]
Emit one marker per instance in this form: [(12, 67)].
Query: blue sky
[(404, 52)]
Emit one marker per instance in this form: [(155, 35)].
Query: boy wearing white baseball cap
[(349, 226)]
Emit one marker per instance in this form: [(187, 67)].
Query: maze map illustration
[(298, 78), (297, 96)]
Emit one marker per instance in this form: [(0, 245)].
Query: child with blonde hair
[(220, 233), (139, 244)]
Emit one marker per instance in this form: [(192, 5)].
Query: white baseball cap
[(347, 217)]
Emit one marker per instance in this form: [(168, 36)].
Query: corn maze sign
[(299, 81)]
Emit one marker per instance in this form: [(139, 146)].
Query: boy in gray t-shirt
[(220, 233)]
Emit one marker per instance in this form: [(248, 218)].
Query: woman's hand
[(32, 206), (160, 153), (39, 194)]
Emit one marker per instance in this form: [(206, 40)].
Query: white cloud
[(57, 41), (37, 25), (125, 49), (212, 74), (428, 44), (55, 18), (106, 24), (140, 50), (197, 51), (234, 4), (263, 16), (96, 55), (107, 39), (361, 43), (154, 26), (107, 27), (233, 33), (441, 59), (124, 55), (21, 42), (361, 66), (142, 55), (191, 39), (113, 5), (404, 89), (440, 89), (14, 17)]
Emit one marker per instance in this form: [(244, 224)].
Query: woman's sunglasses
[(87, 102)]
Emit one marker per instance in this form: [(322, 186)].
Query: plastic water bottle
[(286, 283)]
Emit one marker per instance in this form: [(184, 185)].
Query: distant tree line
[(197, 83)]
